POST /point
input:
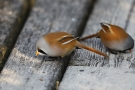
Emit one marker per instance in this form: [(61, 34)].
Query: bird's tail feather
[(90, 36), (80, 45)]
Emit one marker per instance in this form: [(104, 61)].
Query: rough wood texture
[(101, 78), (12, 16), (103, 13), (88, 71), (24, 71)]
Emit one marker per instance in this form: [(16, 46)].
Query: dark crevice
[(129, 15), (80, 29), (65, 62), (16, 28)]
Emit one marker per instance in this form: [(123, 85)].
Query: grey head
[(41, 46)]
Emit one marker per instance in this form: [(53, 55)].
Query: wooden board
[(89, 71), (101, 78), (103, 13), (13, 13), (24, 71)]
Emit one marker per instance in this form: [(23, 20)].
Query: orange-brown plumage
[(54, 42), (114, 38), (60, 44)]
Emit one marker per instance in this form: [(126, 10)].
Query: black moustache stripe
[(41, 51)]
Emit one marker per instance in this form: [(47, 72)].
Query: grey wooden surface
[(88, 71), (12, 16), (81, 70), (24, 71)]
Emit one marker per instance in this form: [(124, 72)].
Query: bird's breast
[(119, 44), (114, 45)]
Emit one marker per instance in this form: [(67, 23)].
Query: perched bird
[(60, 44), (114, 38)]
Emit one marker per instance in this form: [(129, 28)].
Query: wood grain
[(24, 71), (101, 78), (88, 71), (109, 12), (13, 13)]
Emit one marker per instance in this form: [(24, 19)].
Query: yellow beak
[(37, 53)]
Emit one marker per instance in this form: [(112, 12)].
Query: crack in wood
[(129, 15)]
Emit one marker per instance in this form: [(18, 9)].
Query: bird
[(114, 38), (60, 44)]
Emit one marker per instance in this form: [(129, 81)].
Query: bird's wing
[(67, 39)]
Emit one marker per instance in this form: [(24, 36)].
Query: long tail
[(90, 49), (90, 36)]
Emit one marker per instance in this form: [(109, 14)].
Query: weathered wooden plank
[(24, 71), (131, 22), (102, 78), (13, 13), (130, 29), (103, 13), (88, 71)]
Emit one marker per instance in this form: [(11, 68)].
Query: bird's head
[(41, 47), (107, 28)]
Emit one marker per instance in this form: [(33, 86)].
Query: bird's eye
[(41, 51)]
